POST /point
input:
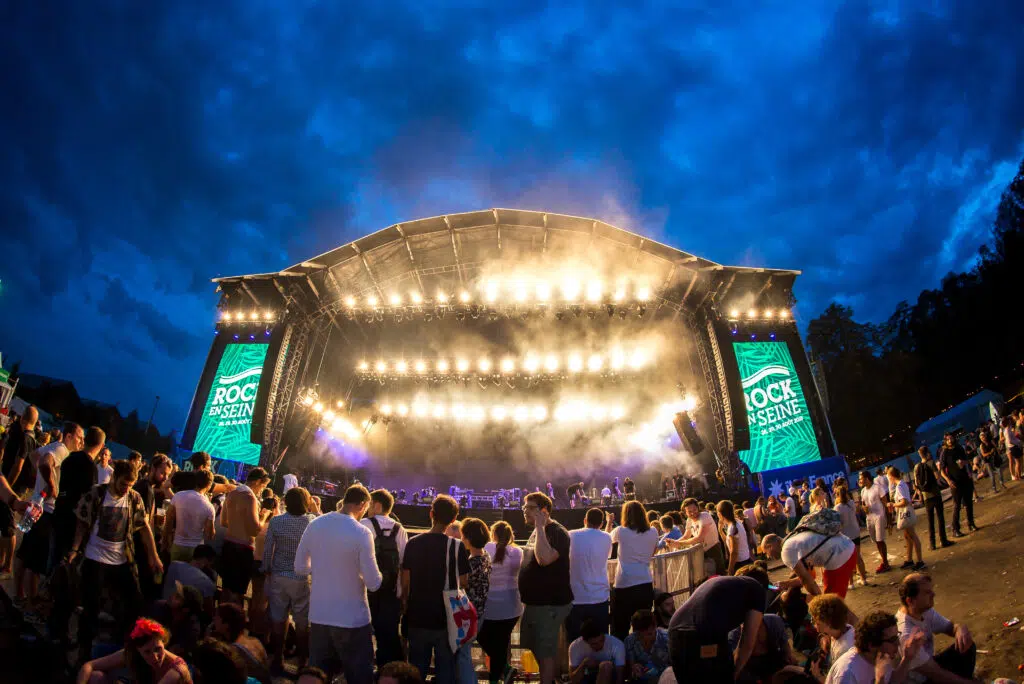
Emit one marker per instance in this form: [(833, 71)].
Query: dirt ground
[(978, 582)]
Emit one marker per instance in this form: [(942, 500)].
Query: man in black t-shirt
[(544, 584), (955, 469), (78, 476), (19, 443), (698, 634), (423, 581)]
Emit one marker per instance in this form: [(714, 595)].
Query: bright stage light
[(620, 294), (254, 316), (225, 316), (637, 359), (464, 297), (768, 313), (372, 300), (617, 413), (598, 412), (499, 413), (401, 366), (531, 364), (381, 367), (477, 413), (395, 300), (350, 302), (643, 293), (521, 414), (419, 410), (520, 293), (734, 313), (543, 292), (752, 313), (439, 411), (338, 425), (689, 402), (571, 289), (508, 365), (618, 359), (329, 415), (594, 363), (784, 313), (339, 404), (539, 413), (442, 366), (386, 409), (462, 365), (268, 315), (318, 407), (551, 363), (364, 366), (415, 297), (575, 363), (484, 365), (442, 298), (491, 295), (307, 401), (421, 366), (594, 292), (402, 410), (458, 411)]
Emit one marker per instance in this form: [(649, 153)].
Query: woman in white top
[(904, 507), (871, 502), (634, 586), (189, 519), (503, 604), (846, 508), (737, 547)]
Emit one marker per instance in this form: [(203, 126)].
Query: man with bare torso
[(243, 518)]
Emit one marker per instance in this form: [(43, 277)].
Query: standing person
[(905, 516), (423, 583), (789, 505), (189, 519), (389, 541), (290, 481), (736, 541), (917, 614), (151, 489), (993, 461), (79, 474), (1014, 453), (107, 516), (104, 471), (243, 519), (475, 536), (34, 557), (19, 442), (873, 503), (544, 584), (503, 603), (953, 467), (851, 527), (287, 591), (876, 649), (926, 481), (337, 552), (634, 585), (701, 529), (834, 554), (699, 631)]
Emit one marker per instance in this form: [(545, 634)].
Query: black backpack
[(386, 548), (924, 479)]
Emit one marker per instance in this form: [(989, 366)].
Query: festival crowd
[(171, 575)]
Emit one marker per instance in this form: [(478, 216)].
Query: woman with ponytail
[(503, 606), (144, 654)]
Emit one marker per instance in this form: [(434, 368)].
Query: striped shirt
[(283, 534)]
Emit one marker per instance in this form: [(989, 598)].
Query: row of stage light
[(248, 316), (615, 361), (759, 314)]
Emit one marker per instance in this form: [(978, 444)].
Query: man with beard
[(955, 470)]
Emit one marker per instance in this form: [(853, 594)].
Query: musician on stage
[(573, 492)]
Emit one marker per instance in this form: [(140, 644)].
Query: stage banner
[(227, 418), (781, 433), (773, 482)]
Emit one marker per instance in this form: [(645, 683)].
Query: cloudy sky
[(149, 147)]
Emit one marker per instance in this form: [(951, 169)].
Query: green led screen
[(224, 428), (781, 433)]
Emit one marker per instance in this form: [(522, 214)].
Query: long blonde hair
[(818, 499)]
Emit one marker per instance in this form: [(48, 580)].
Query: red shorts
[(838, 581)]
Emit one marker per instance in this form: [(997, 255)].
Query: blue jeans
[(426, 642), (352, 646), (465, 672), (997, 473)]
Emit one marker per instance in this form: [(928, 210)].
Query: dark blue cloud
[(150, 148)]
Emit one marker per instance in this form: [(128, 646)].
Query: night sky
[(148, 147)]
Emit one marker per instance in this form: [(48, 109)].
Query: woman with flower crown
[(144, 654)]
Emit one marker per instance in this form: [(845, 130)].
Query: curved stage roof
[(448, 250)]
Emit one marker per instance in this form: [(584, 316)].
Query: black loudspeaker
[(684, 428)]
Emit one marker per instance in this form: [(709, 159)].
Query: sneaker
[(919, 565), (882, 567), (907, 565), (946, 544)]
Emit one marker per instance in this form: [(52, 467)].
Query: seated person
[(646, 648), (830, 617), (229, 626), (771, 652), (875, 653), (198, 573), (181, 614), (917, 615), (664, 608), (596, 657)]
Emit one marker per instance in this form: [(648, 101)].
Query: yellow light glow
[(401, 366), (620, 294), (539, 413), (225, 316), (364, 366), (521, 414), (571, 289), (477, 413), (689, 402), (768, 313), (520, 293), (442, 298), (442, 366), (381, 367), (386, 409), (508, 365), (459, 411), (598, 412), (617, 413), (307, 401), (338, 425), (491, 290), (419, 410), (637, 359), (499, 413), (254, 316), (734, 313), (752, 313), (492, 296), (594, 292), (484, 365), (618, 359), (643, 293), (415, 297), (318, 407), (551, 363), (402, 410), (464, 297), (350, 301), (268, 315), (372, 300), (439, 411), (784, 313), (543, 292), (329, 415), (531, 364), (575, 363), (462, 365), (339, 404), (396, 300), (421, 366), (594, 363)]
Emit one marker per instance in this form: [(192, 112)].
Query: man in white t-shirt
[(789, 505), (918, 615), (589, 550), (875, 654), (596, 657), (103, 468), (701, 529), (189, 518), (385, 603), (33, 558), (290, 482), (831, 618), (835, 555)]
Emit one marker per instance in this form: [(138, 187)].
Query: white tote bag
[(462, 618)]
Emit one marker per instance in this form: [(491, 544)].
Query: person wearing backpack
[(389, 540), (927, 482), (818, 541)]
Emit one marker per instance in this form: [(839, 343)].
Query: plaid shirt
[(89, 509), (283, 534)]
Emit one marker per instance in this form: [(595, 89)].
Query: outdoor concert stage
[(507, 348)]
